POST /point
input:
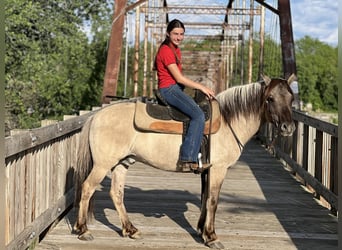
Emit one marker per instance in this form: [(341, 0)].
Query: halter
[(271, 145)]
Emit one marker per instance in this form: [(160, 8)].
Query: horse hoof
[(215, 244), (135, 236), (86, 236), (132, 233)]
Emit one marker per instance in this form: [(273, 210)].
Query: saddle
[(157, 116)]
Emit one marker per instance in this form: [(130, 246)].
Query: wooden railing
[(40, 164), (312, 154), (39, 167)]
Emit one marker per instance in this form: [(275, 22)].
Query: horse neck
[(245, 127), (242, 109)]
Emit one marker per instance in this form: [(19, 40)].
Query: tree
[(317, 73), (50, 61)]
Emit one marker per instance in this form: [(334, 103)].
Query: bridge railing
[(312, 154), (39, 167)]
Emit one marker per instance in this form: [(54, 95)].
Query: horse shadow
[(295, 209), (155, 203)]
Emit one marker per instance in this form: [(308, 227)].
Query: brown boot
[(194, 167)]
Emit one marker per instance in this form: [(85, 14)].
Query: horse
[(109, 139)]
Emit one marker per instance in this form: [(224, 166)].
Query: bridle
[(268, 110)]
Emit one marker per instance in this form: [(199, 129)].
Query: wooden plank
[(10, 187), (318, 155), (261, 206), (20, 218), (316, 185), (295, 138), (306, 142), (326, 160), (324, 126), (31, 138), (334, 166), (31, 232)]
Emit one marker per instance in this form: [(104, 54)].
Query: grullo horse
[(110, 137)]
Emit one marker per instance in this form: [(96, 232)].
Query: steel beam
[(198, 25), (114, 52), (287, 46), (266, 5), (201, 10), (286, 36), (114, 49)]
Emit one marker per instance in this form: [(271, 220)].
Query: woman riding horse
[(171, 84)]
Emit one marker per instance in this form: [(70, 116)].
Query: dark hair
[(175, 23)]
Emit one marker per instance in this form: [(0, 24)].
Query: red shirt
[(165, 57)]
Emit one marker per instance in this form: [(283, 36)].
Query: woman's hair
[(175, 23)]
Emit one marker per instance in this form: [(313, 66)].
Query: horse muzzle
[(287, 128)]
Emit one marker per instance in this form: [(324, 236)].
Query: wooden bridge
[(261, 206), (285, 198), (265, 201)]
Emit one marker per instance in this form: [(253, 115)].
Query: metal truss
[(201, 10)]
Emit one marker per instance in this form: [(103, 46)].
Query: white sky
[(315, 18)]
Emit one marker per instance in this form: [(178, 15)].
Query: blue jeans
[(175, 97)]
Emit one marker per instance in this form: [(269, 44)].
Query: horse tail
[(84, 164)]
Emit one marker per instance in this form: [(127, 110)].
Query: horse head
[(277, 101)]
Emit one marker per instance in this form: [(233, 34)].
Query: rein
[(236, 138), (210, 127)]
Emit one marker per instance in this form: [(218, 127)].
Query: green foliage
[(203, 45), (51, 67), (316, 69), (317, 73), (272, 63), (272, 58)]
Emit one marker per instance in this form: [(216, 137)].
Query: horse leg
[(117, 194), (88, 188), (204, 197), (215, 180)]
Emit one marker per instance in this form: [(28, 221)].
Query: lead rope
[(236, 138), (209, 133), (271, 146)]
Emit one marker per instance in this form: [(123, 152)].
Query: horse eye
[(270, 99)]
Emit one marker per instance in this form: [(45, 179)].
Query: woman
[(171, 83)]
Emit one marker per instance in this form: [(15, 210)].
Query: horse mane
[(244, 100)]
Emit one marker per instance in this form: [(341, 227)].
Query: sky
[(315, 18)]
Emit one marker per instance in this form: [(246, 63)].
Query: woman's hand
[(179, 77), (207, 91)]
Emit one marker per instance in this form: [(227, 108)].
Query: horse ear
[(266, 79), (291, 78)]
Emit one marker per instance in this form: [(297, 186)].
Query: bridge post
[(286, 36), (114, 52), (287, 45)]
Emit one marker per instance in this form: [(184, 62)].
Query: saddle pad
[(144, 122)]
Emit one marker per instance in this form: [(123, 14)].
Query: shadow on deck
[(262, 206)]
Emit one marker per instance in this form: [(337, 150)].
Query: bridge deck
[(261, 207)]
